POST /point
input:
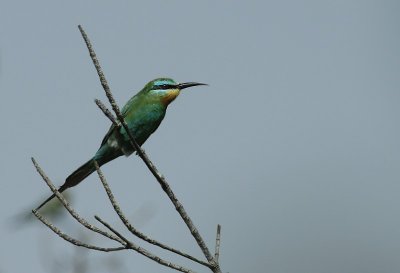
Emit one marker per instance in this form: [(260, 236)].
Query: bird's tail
[(103, 155), (74, 179)]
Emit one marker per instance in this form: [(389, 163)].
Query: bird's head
[(167, 89)]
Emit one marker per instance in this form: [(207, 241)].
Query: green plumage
[(143, 114)]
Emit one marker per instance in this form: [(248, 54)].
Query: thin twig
[(65, 203), (143, 251), (160, 178), (96, 63), (132, 229), (217, 243), (106, 112), (72, 240)]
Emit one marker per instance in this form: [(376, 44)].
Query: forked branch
[(72, 240), (126, 244), (212, 260), (134, 230)]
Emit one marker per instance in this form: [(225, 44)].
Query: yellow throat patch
[(170, 96)]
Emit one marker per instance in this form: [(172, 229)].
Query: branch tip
[(217, 243)]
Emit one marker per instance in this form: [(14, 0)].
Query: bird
[(143, 113)]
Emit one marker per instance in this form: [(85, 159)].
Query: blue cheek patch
[(160, 91)]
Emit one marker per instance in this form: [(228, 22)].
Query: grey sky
[(293, 148)]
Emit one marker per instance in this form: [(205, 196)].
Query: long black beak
[(189, 84)]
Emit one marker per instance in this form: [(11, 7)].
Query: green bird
[(143, 114)]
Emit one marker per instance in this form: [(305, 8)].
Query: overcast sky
[(293, 148)]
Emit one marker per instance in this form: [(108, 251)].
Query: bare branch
[(106, 112), (96, 63), (217, 243), (69, 208), (160, 178), (72, 240), (143, 251), (132, 229)]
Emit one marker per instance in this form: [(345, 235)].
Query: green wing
[(109, 133)]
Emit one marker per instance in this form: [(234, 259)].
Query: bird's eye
[(164, 86)]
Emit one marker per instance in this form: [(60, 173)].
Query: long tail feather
[(74, 179), (103, 155)]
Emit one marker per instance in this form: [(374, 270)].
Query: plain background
[(293, 148)]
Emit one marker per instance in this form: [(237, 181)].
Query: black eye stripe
[(164, 86)]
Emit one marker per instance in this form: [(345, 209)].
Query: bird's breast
[(144, 121)]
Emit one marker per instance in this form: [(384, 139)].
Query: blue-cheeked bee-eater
[(143, 114)]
